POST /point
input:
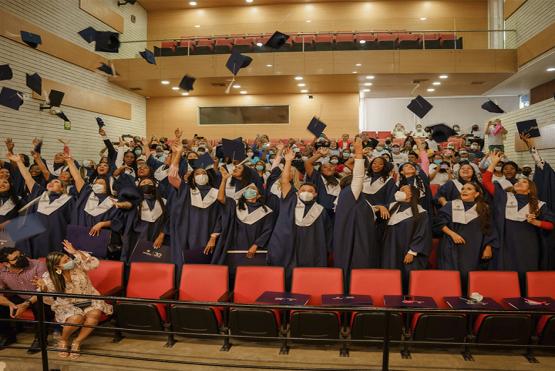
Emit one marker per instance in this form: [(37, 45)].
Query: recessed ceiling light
[(175, 87), (362, 41), (367, 84), (268, 65), (304, 91), (370, 77), (197, 26), (423, 18), (551, 69), (249, 1), (443, 76), (236, 86), (165, 82), (192, 3), (259, 44), (430, 89), (298, 78), (366, 90), (301, 85), (358, 64), (355, 72), (185, 94), (243, 92), (308, 21), (436, 83)]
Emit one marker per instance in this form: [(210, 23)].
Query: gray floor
[(207, 356)]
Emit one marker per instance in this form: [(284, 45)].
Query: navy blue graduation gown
[(545, 182), (238, 235), (384, 196), (449, 191), (83, 218), (463, 257), (189, 226), (8, 209), (55, 223), (425, 199), (273, 200)]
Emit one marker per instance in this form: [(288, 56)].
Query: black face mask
[(526, 172), (148, 189), (21, 262)]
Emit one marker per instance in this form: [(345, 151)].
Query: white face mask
[(498, 168), (400, 196), (201, 179), (306, 196), (97, 188)]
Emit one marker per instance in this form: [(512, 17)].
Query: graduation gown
[(462, 218), (379, 192), (272, 191), (91, 209), (544, 177), (8, 209), (240, 230), (193, 216), (406, 232), (327, 193), (54, 212), (425, 194), (450, 191)]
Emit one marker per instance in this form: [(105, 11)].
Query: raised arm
[(285, 181), (112, 153), (533, 151), (42, 166), (279, 153), (358, 169), (223, 183), (309, 164), (75, 173), (173, 174), (487, 182), (29, 181), (423, 154)]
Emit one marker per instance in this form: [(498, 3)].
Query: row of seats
[(209, 283), (314, 42)]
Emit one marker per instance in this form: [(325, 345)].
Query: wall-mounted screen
[(239, 115)]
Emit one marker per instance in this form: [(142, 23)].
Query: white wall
[(532, 17), (381, 114), (29, 122)]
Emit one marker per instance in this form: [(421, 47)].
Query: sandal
[(75, 350), (62, 349)]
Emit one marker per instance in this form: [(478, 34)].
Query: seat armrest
[(169, 294), (226, 297)]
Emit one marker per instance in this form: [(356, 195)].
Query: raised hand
[(178, 133), (527, 140), (13, 157), (9, 144), (68, 247), (289, 155), (225, 174), (357, 146)]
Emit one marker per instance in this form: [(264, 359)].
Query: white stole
[(398, 216), (458, 184), (460, 215), (251, 218), (7, 207), (371, 188), (310, 217), (94, 207), (513, 213), (149, 215), (275, 189), (207, 201), (46, 207), (504, 183), (332, 190), (161, 173)]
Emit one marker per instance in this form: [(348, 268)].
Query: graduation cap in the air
[(24, 227), (490, 106), (420, 106), (55, 98), (100, 122), (148, 56), (316, 127), (441, 132), (233, 149), (236, 61), (11, 98), (38, 146), (108, 69), (372, 142), (107, 41), (277, 40), (187, 83), (63, 116), (34, 82), (203, 162), (5, 72), (528, 128), (31, 39), (89, 34)]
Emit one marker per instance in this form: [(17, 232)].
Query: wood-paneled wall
[(100, 10), (542, 92), (511, 6), (325, 17), (338, 111)]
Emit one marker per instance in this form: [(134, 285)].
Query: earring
[(58, 271)]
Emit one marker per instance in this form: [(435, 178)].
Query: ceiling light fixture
[(165, 82), (355, 72), (268, 65), (423, 18), (551, 69), (197, 26), (192, 3), (436, 83), (358, 64), (304, 91), (370, 77), (430, 90), (236, 86), (243, 92), (184, 94), (249, 1), (175, 87), (443, 76), (301, 85), (298, 78), (308, 21), (367, 84), (366, 90)]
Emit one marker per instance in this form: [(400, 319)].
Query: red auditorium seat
[(185, 47), (203, 46), (323, 42), (199, 282), (345, 41), (244, 44), (366, 41), (499, 328), (149, 281), (450, 41), (315, 282), (167, 48), (223, 45), (376, 283), (383, 134), (541, 284), (409, 41), (434, 188), (303, 42), (437, 327), (250, 283), (431, 41), (386, 40)]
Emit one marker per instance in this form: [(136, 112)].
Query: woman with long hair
[(452, 189), (9, 202), (67, 273), (326, 179)]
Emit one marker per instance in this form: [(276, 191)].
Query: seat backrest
[(435, 283), (495, 284), (150, 280), (540, 283), (376, 283), (251, 282), (317, 281), (434, 188), (107, 276), (203, 282)]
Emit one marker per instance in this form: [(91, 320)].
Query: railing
[(44, 348)]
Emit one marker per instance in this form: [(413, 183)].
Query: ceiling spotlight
[(304, 91), (259, 44), (197, 26), (249, 1), (298, 78), (362, 41), (185, 94), (308, 21), (366, 90), (236, 86), (367, 84), (355, 72), (430, 89), (423, 18), (243, 92), (301, 85), (370, 77), (551, 69), (165, 82), (268, 65), (358, 64), (192, 3), (436, 83), (175, 87), (443, 77)]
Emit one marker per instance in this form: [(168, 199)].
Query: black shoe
[(7, 341), (35, 347)]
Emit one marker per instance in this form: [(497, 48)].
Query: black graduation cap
[(130, 194), (38, 146), (34, 82), (100, 122), (107, 41), (5, 72), (187, 83), (316, 127), (63, 116), (237, 61), (441, 132), (420, 106), (55, 98), (11, 98), (31, 39), (148, 56), (203, 162), (89, 34), (490, 106), (24, 227), (106, 69), (233, 149), (373, 142), (529, 128), (277, 40)]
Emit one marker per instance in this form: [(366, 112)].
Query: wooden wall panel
[(542, 92), (537, 45), (511, 6), (78, 97), (56, 46), (100, 10)]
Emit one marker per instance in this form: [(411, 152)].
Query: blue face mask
[(259, 167), (437, 162), (249, 193), (68, 266)]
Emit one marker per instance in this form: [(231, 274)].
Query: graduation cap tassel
[(228, 89)]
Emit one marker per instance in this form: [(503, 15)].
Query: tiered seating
[(344, 41), (223, 45), (324, 42), (542, 284)]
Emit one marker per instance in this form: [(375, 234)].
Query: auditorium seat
[(431, 41), (149, 281), (323, 42), (541, 284), (409, 41), (432, 257), (167, 48), (185, 47), (386, 41), (200, 282), (434, 188), (244, 44), (384, 134), (250, 283), (366, 41), (499, 328), (376, 283), (203, 46), (107, 278), (316, 282), (437, 327), (450, 41), (344, 41), (303, 42), (223, 45)]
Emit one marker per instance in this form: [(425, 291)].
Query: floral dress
[(80, 284)]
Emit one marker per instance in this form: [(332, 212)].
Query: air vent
[(477, 82), (419, 81), (135, 89), (218, 84)]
